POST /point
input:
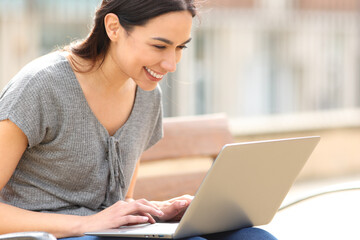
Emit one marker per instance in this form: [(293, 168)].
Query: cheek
[(131, 55), (134, 56), (141, 55), (147, 58)]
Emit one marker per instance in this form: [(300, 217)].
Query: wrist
[(72, 226), (80, 226)]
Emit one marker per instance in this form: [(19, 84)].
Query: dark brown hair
[(130, 13)]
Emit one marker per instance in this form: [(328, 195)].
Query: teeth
[(152, 73)]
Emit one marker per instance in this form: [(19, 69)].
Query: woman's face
[(147, 53)]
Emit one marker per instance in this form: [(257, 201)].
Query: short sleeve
[(157, 129), (157, 132), (22, 102)]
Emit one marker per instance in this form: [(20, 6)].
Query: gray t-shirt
[(72, 165)]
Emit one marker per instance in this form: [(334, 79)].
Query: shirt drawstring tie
[(116, 171)]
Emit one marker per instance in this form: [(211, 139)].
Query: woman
[(74, 123)]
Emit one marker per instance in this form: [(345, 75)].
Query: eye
[(182, 47), (159, 46)]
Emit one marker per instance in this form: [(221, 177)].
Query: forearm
[(130, 194), (13, 219)]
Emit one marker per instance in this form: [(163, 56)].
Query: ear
[(112, 26)]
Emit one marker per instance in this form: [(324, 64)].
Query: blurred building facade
[(31, 28), (247, 57)]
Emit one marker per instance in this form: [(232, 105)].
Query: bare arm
[(130, 193), (13, 143)]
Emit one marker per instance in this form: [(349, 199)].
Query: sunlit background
[(277, 68)]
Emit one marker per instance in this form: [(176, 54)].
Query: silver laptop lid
[(246, 185)]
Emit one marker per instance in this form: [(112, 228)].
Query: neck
[(104, 76), (110, 74)]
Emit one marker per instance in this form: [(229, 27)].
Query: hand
[(174, 208), (122, 213)]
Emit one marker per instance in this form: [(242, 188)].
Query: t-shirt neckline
[(85, 102)]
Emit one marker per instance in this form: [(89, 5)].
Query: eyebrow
[(167, 41)]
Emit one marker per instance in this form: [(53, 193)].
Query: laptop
[(244, 187)]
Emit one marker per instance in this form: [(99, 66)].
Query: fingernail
[(145, 218), (160, 213), (182, 203)]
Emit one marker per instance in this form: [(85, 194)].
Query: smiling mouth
[(154, 74)]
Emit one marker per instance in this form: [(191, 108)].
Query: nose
[(169, 62)]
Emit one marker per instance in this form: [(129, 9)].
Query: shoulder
[(37, 85), (149, 100), (42, 69), (148, 103), (40, 75)]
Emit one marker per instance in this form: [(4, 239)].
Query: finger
[(131, 219), (188, 198), (180, 204), (178, 217), (151, 219), (139, 208), (175, 209), (148, 203)]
